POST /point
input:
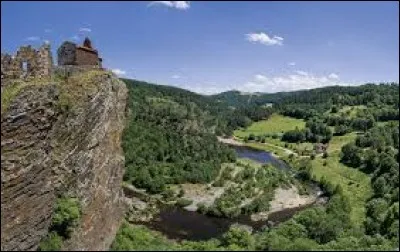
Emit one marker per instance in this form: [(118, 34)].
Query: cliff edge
[(62, 138)]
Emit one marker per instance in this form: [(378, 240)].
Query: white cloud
[(33, 38), (182, 5), (176, 76), (118, 71), (75, 37), (297, 81), (260, 77), (84, 29), (46, 41), (264, 39), (333, 76), (48, 30), (302, 73), (292, 63)]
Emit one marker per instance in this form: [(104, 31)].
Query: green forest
[(171, 138)]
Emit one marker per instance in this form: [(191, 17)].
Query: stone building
[(71, 54), (27, 63)]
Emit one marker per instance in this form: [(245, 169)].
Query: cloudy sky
[(210, 47)]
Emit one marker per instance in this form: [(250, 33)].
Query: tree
[(380, 187), (351, 155), (239, 237)]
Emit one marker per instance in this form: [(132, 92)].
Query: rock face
[(54, 143)]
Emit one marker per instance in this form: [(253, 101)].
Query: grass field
[(275, 124), (348, 111), (356, 184), (337, 142)]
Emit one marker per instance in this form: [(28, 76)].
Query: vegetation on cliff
[(66, 217)]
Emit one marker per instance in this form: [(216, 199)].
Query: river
[(259, 156), (177, 223)]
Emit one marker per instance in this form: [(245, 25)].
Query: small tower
[(87, 43)]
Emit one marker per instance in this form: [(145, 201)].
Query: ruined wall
[(86, 57), (27, 63), (45, 61)]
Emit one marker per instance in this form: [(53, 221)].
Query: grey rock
[(46, 152)]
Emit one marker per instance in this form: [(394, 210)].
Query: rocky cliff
[(62, 137)]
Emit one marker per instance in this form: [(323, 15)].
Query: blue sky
[(211, 47)]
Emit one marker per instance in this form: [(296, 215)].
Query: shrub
[(181, 193), (251, 137), (52, 242), (201, 208), (183, 202), (66, 216), (168, 194)]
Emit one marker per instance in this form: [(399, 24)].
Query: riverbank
[(285, 198), (275, 150), (230, 141)]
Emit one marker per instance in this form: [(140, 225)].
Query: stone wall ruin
[(27, 63)]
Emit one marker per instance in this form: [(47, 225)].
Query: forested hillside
[(305, 103), (170, 137)]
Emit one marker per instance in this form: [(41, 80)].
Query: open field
[(356, 184), (275, 124), (348, 111), (337, 142)]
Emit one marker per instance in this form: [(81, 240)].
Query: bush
[(239, 238), (201, 208), (168, 194), (219, 183), (251, 137), (52, 242), (66, 216), (181, 193), (183, 202)]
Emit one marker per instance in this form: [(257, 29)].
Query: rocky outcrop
[(63, 139)]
